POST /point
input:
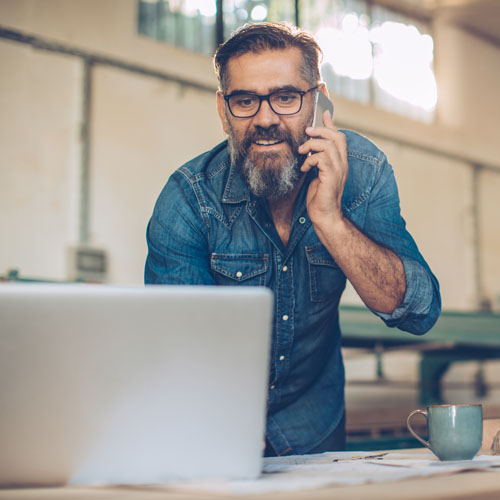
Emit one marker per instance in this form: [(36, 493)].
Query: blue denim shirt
[(207, 228)]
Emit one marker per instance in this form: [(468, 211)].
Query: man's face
[(264, 147)]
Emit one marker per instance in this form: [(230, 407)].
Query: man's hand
[(327, 151)]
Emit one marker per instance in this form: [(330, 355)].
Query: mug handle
[(423, 441)]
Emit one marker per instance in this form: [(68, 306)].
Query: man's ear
[(322, 88), (221, 109)]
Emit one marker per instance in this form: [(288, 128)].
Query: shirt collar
[(236, 189)]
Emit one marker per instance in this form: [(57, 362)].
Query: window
[(403, 74), (371, 54), (239, 12), (185, 23)]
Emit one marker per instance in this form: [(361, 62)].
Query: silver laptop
[(102, 384)]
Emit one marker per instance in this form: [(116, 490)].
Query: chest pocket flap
[(234, 269), (326, 279)]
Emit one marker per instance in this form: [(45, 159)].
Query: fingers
[(325, 140), (328, 131), (322, 161), (327, 147), (321, 149), (327, 119)]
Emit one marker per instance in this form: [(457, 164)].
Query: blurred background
[(102, 99)]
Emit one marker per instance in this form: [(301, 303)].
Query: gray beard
[(275, 175), (274, 179)]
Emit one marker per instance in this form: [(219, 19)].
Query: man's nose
[(266, 116)]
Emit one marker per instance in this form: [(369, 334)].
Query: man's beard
[(268, 175)]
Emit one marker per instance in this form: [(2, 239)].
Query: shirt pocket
[(240, 269), (326, 279)]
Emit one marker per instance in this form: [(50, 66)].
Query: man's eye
[(244, 101), (285, 99)]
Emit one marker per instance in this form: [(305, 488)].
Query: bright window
[(371, 55)]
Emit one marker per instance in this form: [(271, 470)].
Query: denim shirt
[(207, 228)]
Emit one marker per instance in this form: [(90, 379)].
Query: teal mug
[(455, 431)]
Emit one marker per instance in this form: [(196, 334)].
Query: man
[(297, 209)]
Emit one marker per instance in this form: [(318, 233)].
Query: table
[(460, 486), (465, 486)]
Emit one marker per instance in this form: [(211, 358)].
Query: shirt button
[(239, 274), (272, 387), (285, 317), (285, 269), (282, 358), (302, 220)]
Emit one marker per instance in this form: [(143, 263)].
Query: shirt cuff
[(418, 295)]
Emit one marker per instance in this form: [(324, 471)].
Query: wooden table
[(475, 485), (465, 486)]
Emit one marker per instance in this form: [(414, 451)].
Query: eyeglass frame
[(266, 97)]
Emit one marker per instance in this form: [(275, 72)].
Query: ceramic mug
[(455, 431)]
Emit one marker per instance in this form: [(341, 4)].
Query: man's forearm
[(376, 273)]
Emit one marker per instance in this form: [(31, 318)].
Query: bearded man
[(298, 209)]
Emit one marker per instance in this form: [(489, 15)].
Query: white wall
[(489, 235), (436, 202), (39, 159), (468, 72)]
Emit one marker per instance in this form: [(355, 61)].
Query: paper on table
[(338, 468)]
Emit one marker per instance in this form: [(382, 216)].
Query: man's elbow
[(419, 324)]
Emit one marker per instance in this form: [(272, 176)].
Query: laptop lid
[(102, 384)]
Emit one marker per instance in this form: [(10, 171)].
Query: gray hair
[(259, 37)]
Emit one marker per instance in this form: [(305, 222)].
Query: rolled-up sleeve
[(420, 307)]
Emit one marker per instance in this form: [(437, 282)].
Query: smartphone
[(322, 104)]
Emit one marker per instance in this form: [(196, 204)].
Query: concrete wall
[(142, 128)]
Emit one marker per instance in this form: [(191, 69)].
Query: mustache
[(267, 134)]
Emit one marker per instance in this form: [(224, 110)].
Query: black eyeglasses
[(282, 102)]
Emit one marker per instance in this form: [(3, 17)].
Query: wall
[(39, 159), (143, 127)]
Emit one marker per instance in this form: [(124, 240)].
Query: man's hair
[(260, 37)]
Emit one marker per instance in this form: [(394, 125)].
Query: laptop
[(132, 385)]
